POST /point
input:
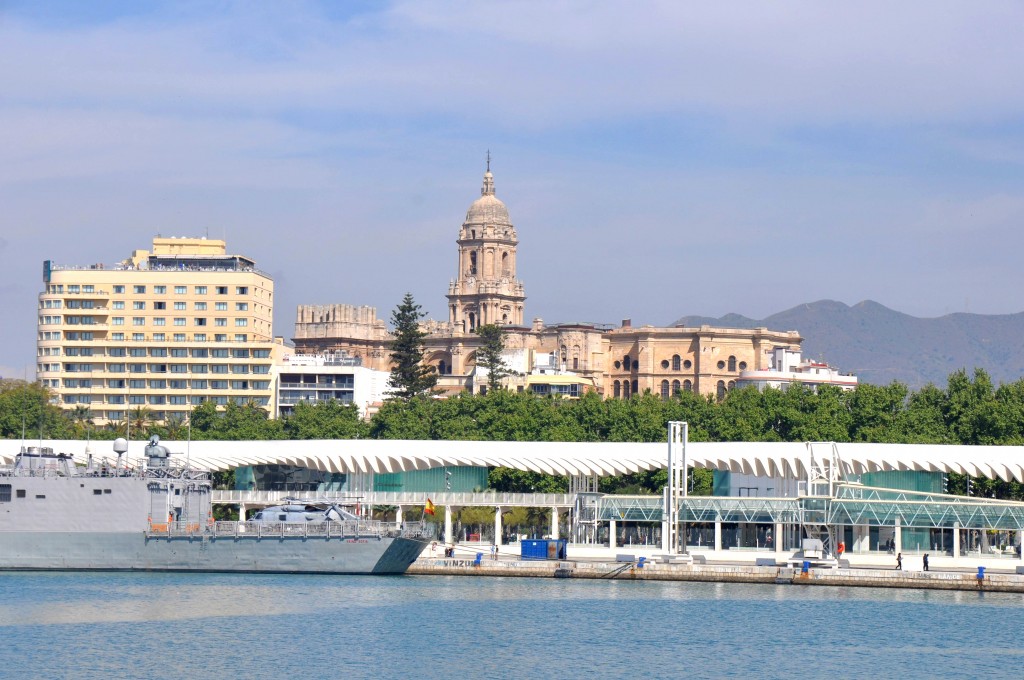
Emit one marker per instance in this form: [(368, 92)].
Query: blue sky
[(657, 158)]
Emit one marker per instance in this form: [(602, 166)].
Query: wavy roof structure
[(603, 459)]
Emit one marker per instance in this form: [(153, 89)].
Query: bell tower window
[(472, 264)]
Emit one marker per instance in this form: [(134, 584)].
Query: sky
[(658, 159)]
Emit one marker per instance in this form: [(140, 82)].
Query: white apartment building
[(162, 330)]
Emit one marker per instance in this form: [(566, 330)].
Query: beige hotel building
[(163, 330)]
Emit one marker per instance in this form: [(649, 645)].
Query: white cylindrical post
[(241, 512), (1020, 543), (777, 538), (612, 533), (898, 536), (718, 534), (398, 516), (956, 540), (448, 538), (554, 523), (497, 526)]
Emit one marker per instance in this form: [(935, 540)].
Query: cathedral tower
[(486, 290)]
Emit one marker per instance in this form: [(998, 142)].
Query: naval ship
[(157, 515)]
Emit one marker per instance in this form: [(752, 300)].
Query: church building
[(616, 361)]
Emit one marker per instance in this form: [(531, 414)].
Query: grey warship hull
[(55, 515), (41, 551)]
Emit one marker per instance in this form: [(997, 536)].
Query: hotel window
[(88, 289), (179, 368), (200, 290), (138, 305), (178, 401), (178, 384), (138, 321), (118, 304), (74, 288), (179, 352), (158, 352), (158, 368), (261, 385), (199, 337), (241, 337), (160, 290), (158, 384), (197, 401), (179, 337), (136, 368), (262, 369), (218, 368), (119, 290), (241, 322), (222, 290), (241, 290), (180, 290), (219, 353), (179, 321), (159, 321), (200, 306), (136, 384), (220, 322), (239, 384), (159, 305), (240, 368), (117, 336), (158, 399), (239, 354), (138, 337), (136, 399), (261, 354), (200, 321), (199, 368), (139, 290), (220, 306), (220, 337), (219, 384), (159, 337), (241, 306), (199, 385), (180, 306), (117, 320), (115, 368)]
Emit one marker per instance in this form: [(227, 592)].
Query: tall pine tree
[(489, 354), (409, 376)]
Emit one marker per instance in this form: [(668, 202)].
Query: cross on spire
[(488, 160)]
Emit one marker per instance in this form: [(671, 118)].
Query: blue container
[(807, 566), (543, 549), (981, 573)]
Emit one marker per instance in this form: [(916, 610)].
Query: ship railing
[(352, 529)]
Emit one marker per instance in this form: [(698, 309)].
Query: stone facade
[(621, 361)]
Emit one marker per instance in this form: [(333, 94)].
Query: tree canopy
[(410, 377), (488, 356)]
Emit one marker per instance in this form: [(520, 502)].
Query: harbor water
[(198, 626)]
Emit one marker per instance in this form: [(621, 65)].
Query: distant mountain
[(881, 345)]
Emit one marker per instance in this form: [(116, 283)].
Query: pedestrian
[(899, 561), (925, 560)]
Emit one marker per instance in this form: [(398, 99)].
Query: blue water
[(109, 625)]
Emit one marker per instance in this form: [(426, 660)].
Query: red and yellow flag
[(429, 507)]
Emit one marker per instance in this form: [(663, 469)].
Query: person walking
[(899, 561), (925, 561)]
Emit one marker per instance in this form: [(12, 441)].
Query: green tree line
[(969, 410)]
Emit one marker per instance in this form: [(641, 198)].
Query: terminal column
[(448, 538), (898, 536), (718, 533), (554, 523), (1020, 542), (777, 539), (398, 516), (241, 512), (612, 533), (956, 540), (497, 526)]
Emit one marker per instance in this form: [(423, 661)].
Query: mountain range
[(881, 345)]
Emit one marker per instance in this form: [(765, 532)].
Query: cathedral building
[(616, 361)]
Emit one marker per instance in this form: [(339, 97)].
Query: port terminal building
[(767, 496)]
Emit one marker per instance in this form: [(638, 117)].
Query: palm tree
[(118, 427), (140, 418)]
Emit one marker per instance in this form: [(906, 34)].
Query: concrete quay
[(868, 571)]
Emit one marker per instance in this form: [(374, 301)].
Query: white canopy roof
[(565, 458)]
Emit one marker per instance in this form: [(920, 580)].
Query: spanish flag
[(429, 507)]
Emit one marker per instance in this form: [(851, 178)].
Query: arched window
[(732, 384), (732, 363), (504, 264), (664, 389), (635, 390), (675, 362), (442, 368), (618, 389), (472, 264), (625, 363), (625, 389), (472, 321), (688, 386), (675, 387), (721, 390), (504, 318)]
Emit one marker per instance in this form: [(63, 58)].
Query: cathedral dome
[(488, 209)]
